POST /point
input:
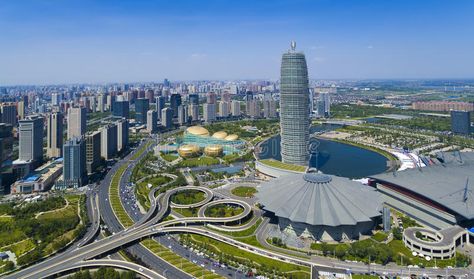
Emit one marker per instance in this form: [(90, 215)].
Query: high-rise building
[(324, 105), (56, 99), (167, 118), (211, 98), (121, 109), (175, 102), (31, 140), (8, 114), (74, 166), (108, 141), (101, 101), (160, 105), (223, 109), (152, 121), (253, 108), (235, 108), (209, 112), (141, 108), (193, 111), (150, 95), (194, 99), (21, 109), (6, 156), (182, 115), (122, 134), (76, 122), (461, 122), (92, 151), (55, 135), (269, 109), (294, 108)]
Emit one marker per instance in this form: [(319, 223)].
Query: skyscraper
[(141, 108), (122, 134), (108, 141), (6, 156), (55, 135), (31, 140), (151, 121), (160, 105), (269, 109), (167, 118), (175, 102), (182, 115), (121, 109), (209, 112), (8, 114), (76, 122), (235, 108), (194, 99), (193, 111), (74, 168), (461, 122), (223, 109), (92, 151), (294, 108)]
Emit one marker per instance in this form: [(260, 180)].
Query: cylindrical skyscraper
[(294, 108)]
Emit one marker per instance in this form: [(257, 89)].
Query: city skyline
[(91, 42)]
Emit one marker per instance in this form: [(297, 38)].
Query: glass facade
[(294, 109)]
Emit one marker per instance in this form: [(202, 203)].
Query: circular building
[(188, 150), (219, 135), (321, 207), (197, 131), (214, 150), (232, 137)]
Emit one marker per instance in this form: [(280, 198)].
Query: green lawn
[(281, 165), (169, 157), (143, 190), (200, 161), (20, 248), (223, 210), (188, 197), (244, 191), (380, 236), (114, 198)]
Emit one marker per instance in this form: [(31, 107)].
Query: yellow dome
[(214, 150), (232, 137), (198, 131), (219, 135), (188, 150)]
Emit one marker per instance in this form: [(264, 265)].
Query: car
[(141, 269)]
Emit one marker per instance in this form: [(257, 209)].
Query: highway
[(86, 254)]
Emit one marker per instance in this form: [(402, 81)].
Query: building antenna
[(293, 45)]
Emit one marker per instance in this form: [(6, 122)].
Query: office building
[(122, 134), (21, 110), (93, 159), (209, 112), (294, 108), (74, 165), (211, 98), (141, 108), (6, 156), (269, 109), (31, 140), (194, 99), (223, 109), (175, 102), (160, 105), (461, 122), (235, 108), (40, 179), (324, 105), (193, 111), (150, 95), (55, 135), (101, 102), (253, 108), (8, 114), (108, 141), (152, 121), (76, 122), (167, 118), (182, 115), (121, 109)]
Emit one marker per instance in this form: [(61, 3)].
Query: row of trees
[(103, 273)]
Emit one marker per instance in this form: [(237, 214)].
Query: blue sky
[(69, 41)]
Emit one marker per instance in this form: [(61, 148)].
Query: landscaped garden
[(223, 210), (244, 191), (188, 197)]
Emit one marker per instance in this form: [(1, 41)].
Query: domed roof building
[(197, 131), (214, 150), (219, 135), (232, 137), (188, 150), (322, 207)]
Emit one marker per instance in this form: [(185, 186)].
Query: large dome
[(232, 137), (219, 135), (198, 131), (213, 150), (320, 200), (188, 150)]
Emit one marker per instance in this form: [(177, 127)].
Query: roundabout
[(207, 198)]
